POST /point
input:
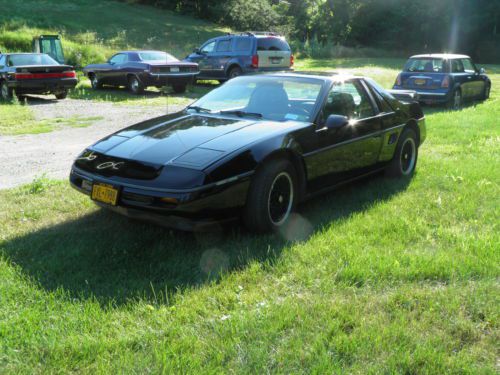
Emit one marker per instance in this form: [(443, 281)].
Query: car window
[(348, 99), (272, 44), (224, 46), (157, 56), (430, 65), (242, 44), (275, 98), (457, 66), (2, 61), (381, 102), (118, 59), (31, 59), (468, 66), (207, 48)]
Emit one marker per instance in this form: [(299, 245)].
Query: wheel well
[(90, 74), (412, 124), (296, 161), (232, 66)]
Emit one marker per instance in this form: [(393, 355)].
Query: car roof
[(444, 56), (325, 76), (22, 53)]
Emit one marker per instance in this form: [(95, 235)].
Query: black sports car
[(254, 147), (34, 73), (139, 69)]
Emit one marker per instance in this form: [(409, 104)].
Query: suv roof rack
[(265, 33)]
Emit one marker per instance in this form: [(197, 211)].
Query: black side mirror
[(197, 51), (336, 122)]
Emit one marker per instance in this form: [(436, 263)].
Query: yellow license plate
[(420, 81), (105, 194)]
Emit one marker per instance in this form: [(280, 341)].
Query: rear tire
[(95, 82), (405, 157), (5, 91), (135, 86), (179, 89), (272, 197), (235, 72), (61, 95), (455, 101)]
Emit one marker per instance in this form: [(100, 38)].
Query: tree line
[(467, 26)]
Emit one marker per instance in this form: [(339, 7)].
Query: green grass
[(393, 277), (93, 30)]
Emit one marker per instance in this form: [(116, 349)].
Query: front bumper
[(194, 208), (165, 79), (41, 86)]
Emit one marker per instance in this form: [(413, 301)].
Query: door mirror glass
[(336, 122), (482, 71)]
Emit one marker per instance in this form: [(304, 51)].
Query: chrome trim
[(372, 135), (431, 93), (86, 175)]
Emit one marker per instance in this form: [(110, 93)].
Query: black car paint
[(118, 74), (35, 86), (206, 161)]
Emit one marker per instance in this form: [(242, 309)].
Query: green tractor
[(51, 45)]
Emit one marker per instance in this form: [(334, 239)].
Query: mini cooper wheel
[(94, 82), (405, 158), (455, 100), (272, 197), (135, 86), (235, 72), (5, 91)]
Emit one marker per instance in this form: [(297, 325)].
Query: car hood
[(193, 141)]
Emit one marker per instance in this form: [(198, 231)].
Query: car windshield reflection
[(269, 98)]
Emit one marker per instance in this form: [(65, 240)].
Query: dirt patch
[(25, 157)]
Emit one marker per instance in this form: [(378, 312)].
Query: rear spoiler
[(405, 95)]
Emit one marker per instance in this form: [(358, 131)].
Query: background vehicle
[(254, 148), (51, 45), (229, 56), (140, 69), (444, 78), (34, 73)]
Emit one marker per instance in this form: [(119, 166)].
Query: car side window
[(468, 66), (2, 61), (348, 99), (224, 46), (208, 48), (457, 66), (118, 59), (242, 44)]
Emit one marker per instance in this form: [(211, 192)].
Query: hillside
[(92, 30)]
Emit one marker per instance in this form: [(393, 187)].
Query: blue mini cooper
[(444, 78)]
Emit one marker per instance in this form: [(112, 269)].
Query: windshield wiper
[(199, 109), (241, 113)]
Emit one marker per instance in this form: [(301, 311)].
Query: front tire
[(179, 89), (135, 86), (405, 157), (455, 101), (486, 92), (272, 197), (95, 82), (5, 91), (62, 95)]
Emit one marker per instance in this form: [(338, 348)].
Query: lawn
[(383, 276)]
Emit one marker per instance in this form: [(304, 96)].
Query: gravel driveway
[(25, 157)]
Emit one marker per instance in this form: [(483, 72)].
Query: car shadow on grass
[(108, 257)]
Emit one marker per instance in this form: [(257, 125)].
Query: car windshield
[(273, 98), (428, 65), (157, 56), (35, 59)]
